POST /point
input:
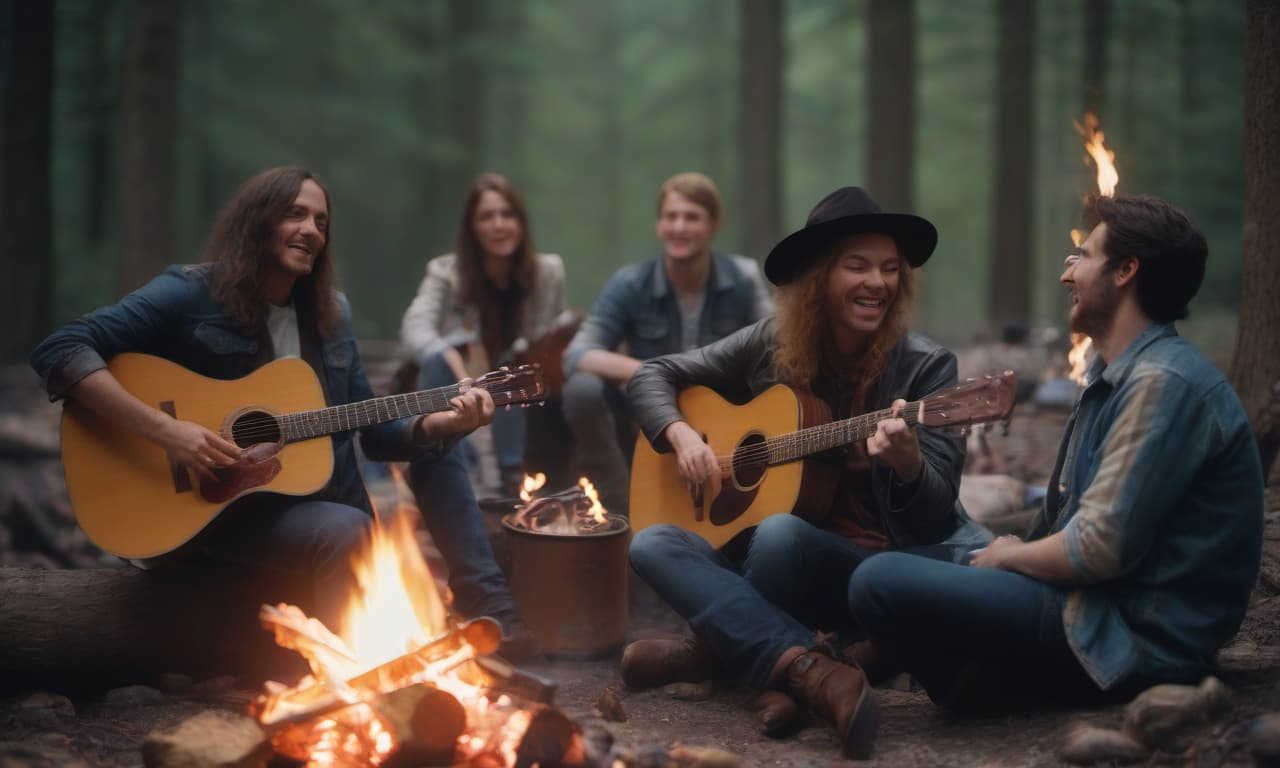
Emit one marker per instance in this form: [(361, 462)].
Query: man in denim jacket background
[(1140, 566), (686, 297), (267, 293)]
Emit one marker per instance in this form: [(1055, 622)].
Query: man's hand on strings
[(895, 443), (471, 409), (200, 449), (697, 463)]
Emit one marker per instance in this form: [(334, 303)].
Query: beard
[(1095, 310)]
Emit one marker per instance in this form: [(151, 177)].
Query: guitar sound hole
[(750, 460), (255, 427)]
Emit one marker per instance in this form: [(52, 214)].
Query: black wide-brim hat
[(847, 211)]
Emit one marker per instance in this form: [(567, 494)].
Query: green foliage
[(589, 104)]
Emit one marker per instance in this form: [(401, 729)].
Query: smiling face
[(862, 284), (1091, 289), (685, 228), (300, 236), (497, 225)]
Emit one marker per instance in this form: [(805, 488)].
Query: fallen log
[(92, 629)]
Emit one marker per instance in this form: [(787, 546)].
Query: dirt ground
[(108, 728)]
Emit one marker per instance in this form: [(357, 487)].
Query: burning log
[(103, 628), (424, 723)]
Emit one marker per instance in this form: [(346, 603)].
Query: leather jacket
[(740, 367)]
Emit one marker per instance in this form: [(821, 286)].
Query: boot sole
[(860, 734)]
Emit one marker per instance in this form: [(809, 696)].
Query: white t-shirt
[(282, 323)]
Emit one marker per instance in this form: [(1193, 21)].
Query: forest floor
[(107, 728)]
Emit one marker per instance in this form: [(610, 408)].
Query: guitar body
[(753, 490), (128, 496)]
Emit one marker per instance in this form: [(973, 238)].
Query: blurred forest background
[(960, 110)]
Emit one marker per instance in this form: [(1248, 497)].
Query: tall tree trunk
[(1255, 368), (149, 173), (609, 31), (26, 85), (1096, 13), (1010, 300), (761, 98), (468, 94), (891, 126)]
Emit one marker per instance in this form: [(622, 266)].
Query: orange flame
[(1107, 178), (1103, 159), (597, 510), (531, 484)]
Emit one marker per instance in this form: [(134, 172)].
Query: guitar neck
[(305, 425), (797, 445)]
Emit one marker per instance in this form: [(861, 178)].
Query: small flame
[(597, 510), (531, 484), (1103, 159), (1081, 346)]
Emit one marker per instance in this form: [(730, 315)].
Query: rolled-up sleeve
[(1160, 435), (138, 322), (420, 328), (606, 324)]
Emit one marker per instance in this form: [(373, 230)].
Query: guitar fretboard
[(305, 425), (795, 445)]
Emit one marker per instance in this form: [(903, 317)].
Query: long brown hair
[(242, 238), (804, 341), (471, 256)]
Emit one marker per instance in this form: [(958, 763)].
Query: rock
[(212, 739), (1262, 737), (704, 757), (1090, 745), (609, 705), (1169, 717), (52, 701), (996, 502)]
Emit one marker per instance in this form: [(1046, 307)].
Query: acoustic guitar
[(134, 501), (762, 446)]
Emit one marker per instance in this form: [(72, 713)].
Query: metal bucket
[(571, 590)]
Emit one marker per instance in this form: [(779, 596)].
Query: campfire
[(1107, 177), (572, 512), (402, 682)]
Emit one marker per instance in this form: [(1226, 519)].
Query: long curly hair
[(804, 342), (474, 286), (242, 238)]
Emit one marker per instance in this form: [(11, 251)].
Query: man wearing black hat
[(845, 283)]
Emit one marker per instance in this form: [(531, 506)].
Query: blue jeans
[(603, 436), (443, 492), (508, 425), (308, 544), (793, 579), (938, 619)]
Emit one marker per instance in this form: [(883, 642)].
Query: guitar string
[(274, 424), (842, 431)]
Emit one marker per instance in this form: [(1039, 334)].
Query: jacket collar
[(1119, 369), (720, 279)]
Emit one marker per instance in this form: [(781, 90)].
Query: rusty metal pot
[(572, 589)]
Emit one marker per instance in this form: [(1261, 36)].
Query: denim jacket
[(638, 306), (175, 316), (1158, 492)]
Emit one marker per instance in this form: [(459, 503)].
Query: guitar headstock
[(521, 385), (975, 401)]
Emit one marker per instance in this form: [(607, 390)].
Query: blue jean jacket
[(638, 307), (1158, 492), (175, 316)]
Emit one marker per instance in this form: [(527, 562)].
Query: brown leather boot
[(779, 714), (840, 695), (659, 661)]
